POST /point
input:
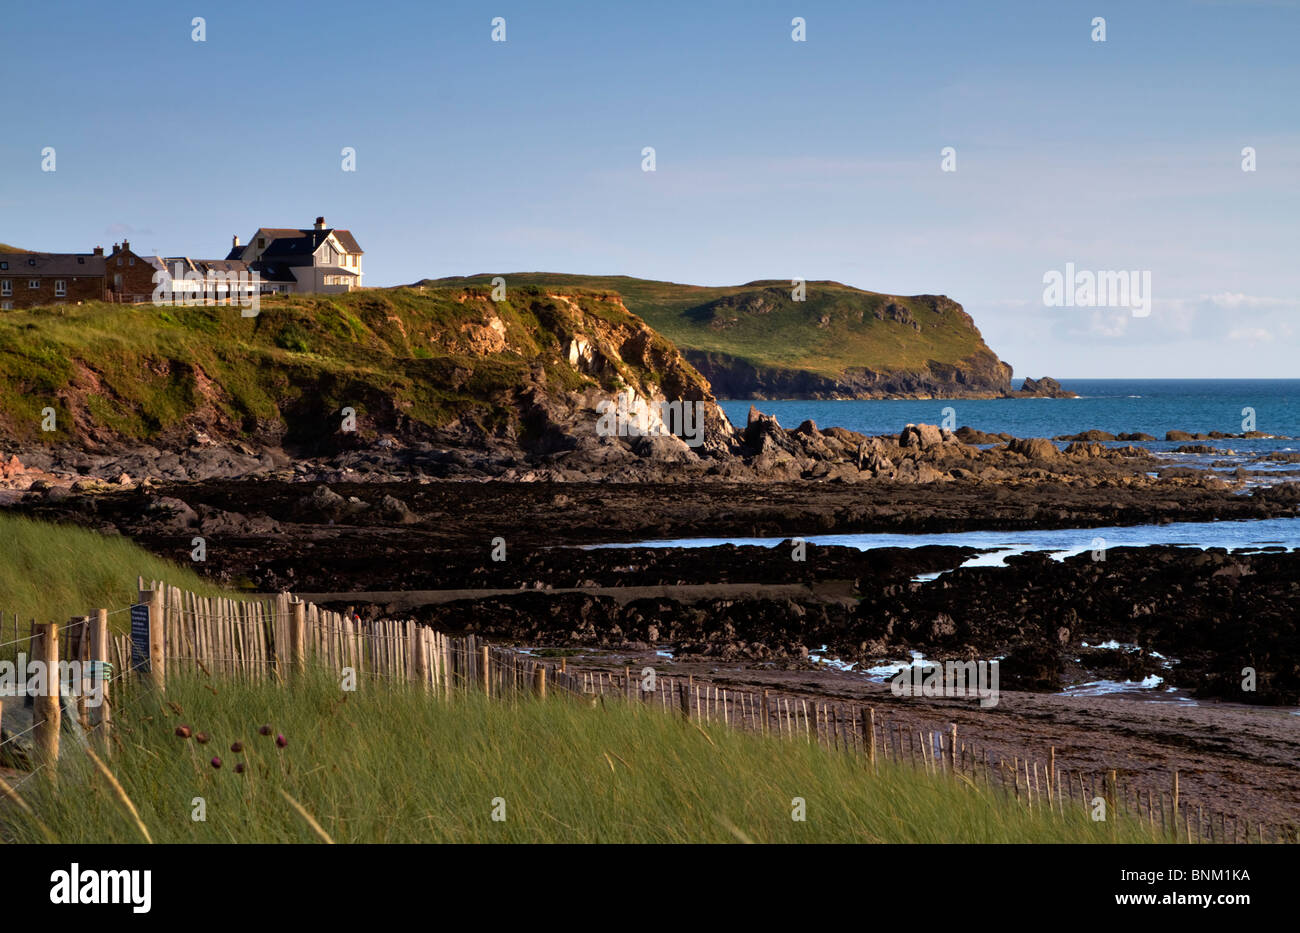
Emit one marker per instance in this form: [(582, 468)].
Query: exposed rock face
[(969, 435), (528, 382), (1046, 387), (1035, 448), (924, 436), (1092, 435)]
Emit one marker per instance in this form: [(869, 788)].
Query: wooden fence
[(272, 638)]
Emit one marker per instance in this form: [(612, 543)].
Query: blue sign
[(140, 638)]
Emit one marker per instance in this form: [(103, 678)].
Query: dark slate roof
[(349, 243), (314, 236), (295, 247), (170, 262), (236, 251), (222, 265), (335, 270), (272, 233), (274, 271), (61, 264)]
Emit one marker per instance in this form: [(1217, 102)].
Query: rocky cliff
[(400, 369), (767, 339)]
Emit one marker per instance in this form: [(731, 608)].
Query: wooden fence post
[(157, 677), (539, 681), (100, 717), (869, 724), (1175, 803), (952, 747), (298, 636), (487, 671), (47, 717), (77, 643), (419, 660), (1112, 803), (1051, 774)]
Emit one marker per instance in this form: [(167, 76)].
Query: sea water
[(1120, 406)]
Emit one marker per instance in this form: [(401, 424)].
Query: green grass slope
[(835, 330), (413, 357), (51, 573), (395, 765)]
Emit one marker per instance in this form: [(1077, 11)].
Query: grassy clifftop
[(410, 359), (747, 339)]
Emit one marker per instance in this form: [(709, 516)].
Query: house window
[(6, 287), (119, 260), (261, 242), (81, 260), (6, 305), (60, 288), (327, 254), (4, 265), (132, 260), (33, 283)]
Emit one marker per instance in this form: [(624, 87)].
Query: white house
[(321, 260), (206, 281)]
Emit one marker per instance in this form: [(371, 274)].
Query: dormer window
[(31, 262)]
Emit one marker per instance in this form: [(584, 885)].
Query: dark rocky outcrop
[(982, 375), (1046, 387)]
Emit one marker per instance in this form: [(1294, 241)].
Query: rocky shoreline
[(1213, 611), (762, 452), (399, 527)]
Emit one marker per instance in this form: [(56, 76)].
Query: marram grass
[(395, 765), (51, 572)]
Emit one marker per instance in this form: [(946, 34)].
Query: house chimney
[(126, 246), (320, 223), (115, 248), (234, 241), (99, 251)]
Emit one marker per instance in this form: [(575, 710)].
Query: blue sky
[(774, 158)]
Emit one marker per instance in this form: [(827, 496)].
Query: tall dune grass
[(395, 765), (51, 572)]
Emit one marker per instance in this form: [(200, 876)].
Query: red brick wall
[(79, 288), (136, 273)]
